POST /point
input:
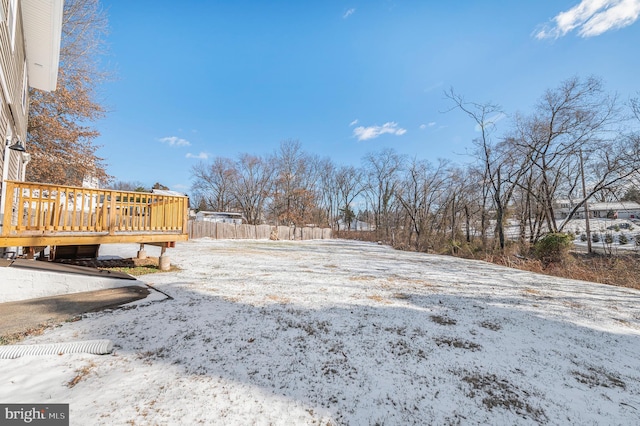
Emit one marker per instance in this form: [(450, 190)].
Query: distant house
[(220, 217), (619, 210), (623, 210)]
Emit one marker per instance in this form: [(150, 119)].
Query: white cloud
[(348, 13), (591, 18), (423, 126), (353, 123), (201, 156), (372, 132), (175, 141)]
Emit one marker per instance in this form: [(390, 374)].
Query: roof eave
[(42, 21)]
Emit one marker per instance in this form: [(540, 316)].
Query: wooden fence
[(230, 231)]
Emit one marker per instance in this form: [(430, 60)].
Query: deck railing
[(38, 211)]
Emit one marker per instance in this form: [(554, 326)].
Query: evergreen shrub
[(553, 247)]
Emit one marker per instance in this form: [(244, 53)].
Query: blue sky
[(200, 79)]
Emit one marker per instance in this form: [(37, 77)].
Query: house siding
[(13, 109), (13, 117)]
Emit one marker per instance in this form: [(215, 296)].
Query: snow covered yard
[(342, 332)]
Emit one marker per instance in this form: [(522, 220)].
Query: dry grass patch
[(499, 393), (401, 296), (81, 374), (572, 305), (457, 343), (423, 283), (12, 338), (620, 270), (279, 299), (593, 377), (442, 320), (362, 278), (136, 267), (489, 325), (379, 299)]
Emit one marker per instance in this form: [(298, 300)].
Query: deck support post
[(142, 253), (163, 261), (29, 252)]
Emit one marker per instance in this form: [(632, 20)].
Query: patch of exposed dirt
[(500, 393)]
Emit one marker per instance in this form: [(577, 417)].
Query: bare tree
[(133, 186), (382, 177), (501, 168), (212, 183), (420, 193), (294, 185), (576, 116), (60, 140), (349, 185), (328, 192), (251, 186)]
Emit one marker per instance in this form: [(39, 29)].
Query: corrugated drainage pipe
[(96, 347)]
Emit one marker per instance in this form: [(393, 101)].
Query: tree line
[(577, 144)]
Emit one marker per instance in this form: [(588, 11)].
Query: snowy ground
[(616, 229), (337, 332)]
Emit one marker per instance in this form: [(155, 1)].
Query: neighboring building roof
[(42, 20), (227, 214), (228, 217), (168, 192), (627, 205)]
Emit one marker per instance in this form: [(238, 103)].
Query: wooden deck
[(53, 215)]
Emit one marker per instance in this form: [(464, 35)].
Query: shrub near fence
[(230, 231)]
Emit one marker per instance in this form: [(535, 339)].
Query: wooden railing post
[(112, 214), (8, 208), (185, 216)]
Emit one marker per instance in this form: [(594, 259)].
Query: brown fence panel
[(202, 229), (226, 231), (211, 230), (296, 233), (263, 232), (306, 233), (283, 232), (317, 233), (241, 232), (217, 230), (246, 232)]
